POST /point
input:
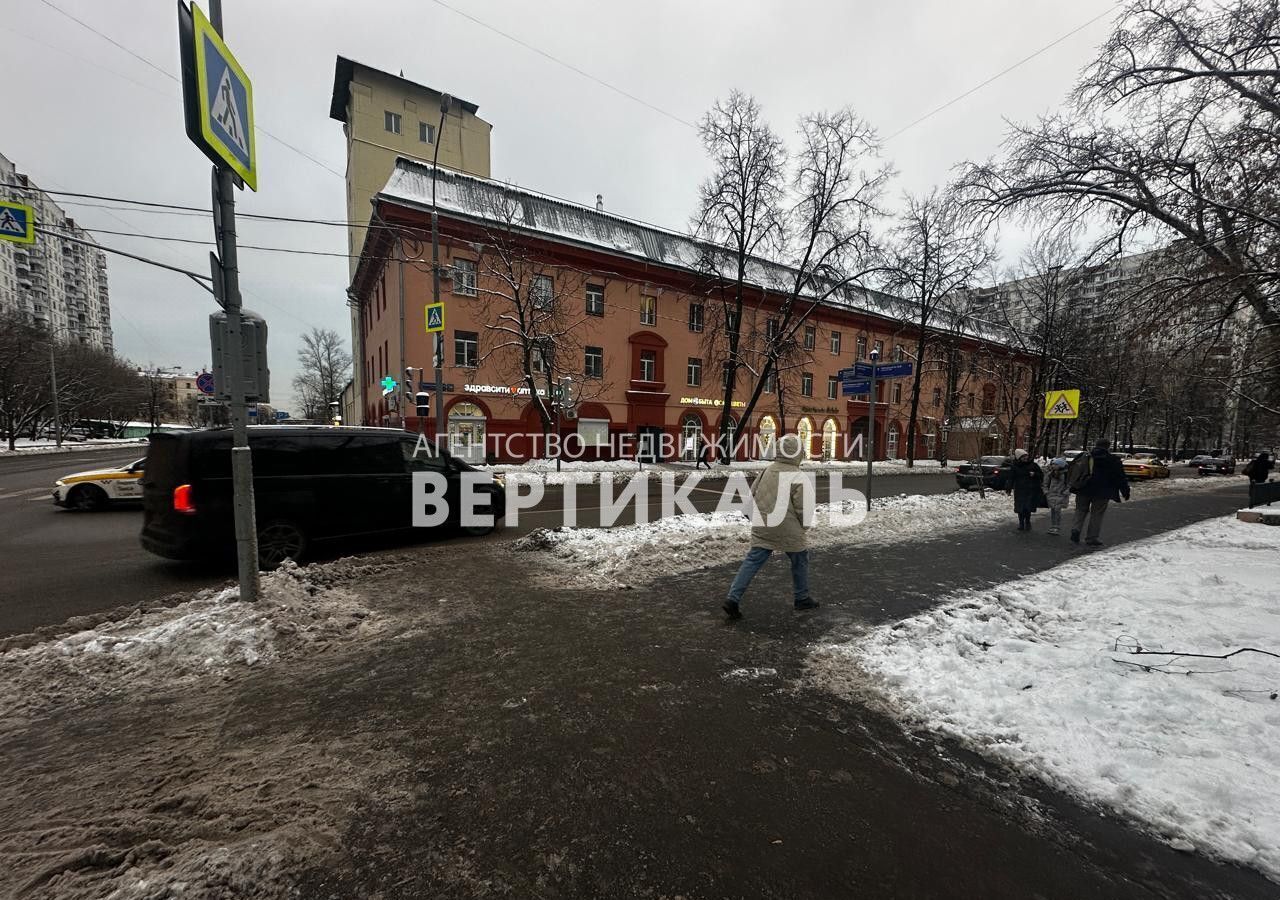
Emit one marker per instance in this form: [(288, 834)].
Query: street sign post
[(17, 223), (218, 110)]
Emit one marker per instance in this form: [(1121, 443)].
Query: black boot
[(1075, 536)]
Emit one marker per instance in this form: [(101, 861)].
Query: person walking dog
[(1096, 480), (1024, 481), (1057, 492), (777, 490)]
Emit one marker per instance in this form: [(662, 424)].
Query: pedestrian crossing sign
[(17, 223), (218, 97), (435, 317), (1063, 404)]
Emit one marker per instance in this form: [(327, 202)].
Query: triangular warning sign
[(9, 223), (226, 112), (1062, 408)]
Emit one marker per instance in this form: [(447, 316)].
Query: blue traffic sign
[(217, 97), (855, 387), (281, 415), (17, 223), (204, 383), (894, 370)]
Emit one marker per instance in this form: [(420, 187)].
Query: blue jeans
[(755, 560)]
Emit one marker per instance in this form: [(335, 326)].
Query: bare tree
[(24, 377), (536, 316), (739, 218), (323, 368), (937, 250)]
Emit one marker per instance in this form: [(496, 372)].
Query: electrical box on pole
[(253, 352)]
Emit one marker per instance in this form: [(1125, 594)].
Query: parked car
[(988, 468), (98, 488), (1199, 459), (311, 484), (1145, 465), (1216, 465)]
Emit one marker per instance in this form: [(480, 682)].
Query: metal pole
[(404, 404), (435, 273), (241, 459), (871, 426), (53, 386)]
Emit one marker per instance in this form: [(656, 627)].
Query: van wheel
[(280, 541), (477, 530), (87, 498)]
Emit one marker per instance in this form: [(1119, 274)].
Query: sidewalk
[(506, 735)]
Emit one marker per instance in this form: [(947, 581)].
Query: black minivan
[(310, 484)]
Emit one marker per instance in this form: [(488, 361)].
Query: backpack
[(1078, 472)]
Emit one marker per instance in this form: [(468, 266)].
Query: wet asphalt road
[(55, 563)]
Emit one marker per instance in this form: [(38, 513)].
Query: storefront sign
[(513, 390), (828, 410), (704, 401)]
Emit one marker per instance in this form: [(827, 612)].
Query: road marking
[(14, 494)]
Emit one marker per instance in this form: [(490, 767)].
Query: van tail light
[(182, 502)]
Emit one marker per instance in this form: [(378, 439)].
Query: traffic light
[(423, 400)]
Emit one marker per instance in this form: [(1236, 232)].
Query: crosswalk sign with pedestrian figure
[(17, 223), (218, 97), (435, 317), (1063, 404)]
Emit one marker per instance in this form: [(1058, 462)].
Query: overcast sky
[(86, 116)]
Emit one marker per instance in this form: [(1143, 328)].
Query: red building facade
[(623, 315)]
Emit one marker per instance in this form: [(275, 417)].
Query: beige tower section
[(385, 116)]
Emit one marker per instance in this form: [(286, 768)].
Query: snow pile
[(213, 633), (27, 447), (635, 554), (1040, 673)]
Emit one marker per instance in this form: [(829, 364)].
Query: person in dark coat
[(1260, 469), (1024, 481), (1099, 479)]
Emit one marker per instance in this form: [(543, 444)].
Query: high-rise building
[(385, 117), (56, 283)]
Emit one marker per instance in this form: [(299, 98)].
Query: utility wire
[(560, 62), (167, 74), (1003, 72), (201, 279)]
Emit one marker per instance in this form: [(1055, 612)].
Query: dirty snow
[(1039, 673), (211, 634)]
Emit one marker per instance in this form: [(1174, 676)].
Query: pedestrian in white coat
[(777, 526)]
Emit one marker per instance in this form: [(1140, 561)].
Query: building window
[(595, 300), (593, 367), (538, 361), (648, 365), (899, 353), (862, 347), (771, 330), (466, 348), (695, 316), (464, 278), (897, 392), (970, 401), (879, 349), (835, 343), (391, 121), (891, 441), (771, 383), (989, 400), (695, 371), (937, 397), (541, 292), (810, 337), (973, 364), (648, 310), (806, 384), (426, 133), (833, 387), (731, 320)]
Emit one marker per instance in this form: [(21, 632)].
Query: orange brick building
[(634, 325)]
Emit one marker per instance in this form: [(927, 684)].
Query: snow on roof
[(488, 201)]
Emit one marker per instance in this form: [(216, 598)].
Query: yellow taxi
[(96, 488), (1145, 465)]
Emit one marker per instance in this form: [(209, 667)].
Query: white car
[(96, 488)]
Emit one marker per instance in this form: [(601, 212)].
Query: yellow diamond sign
[(1062, 404)]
